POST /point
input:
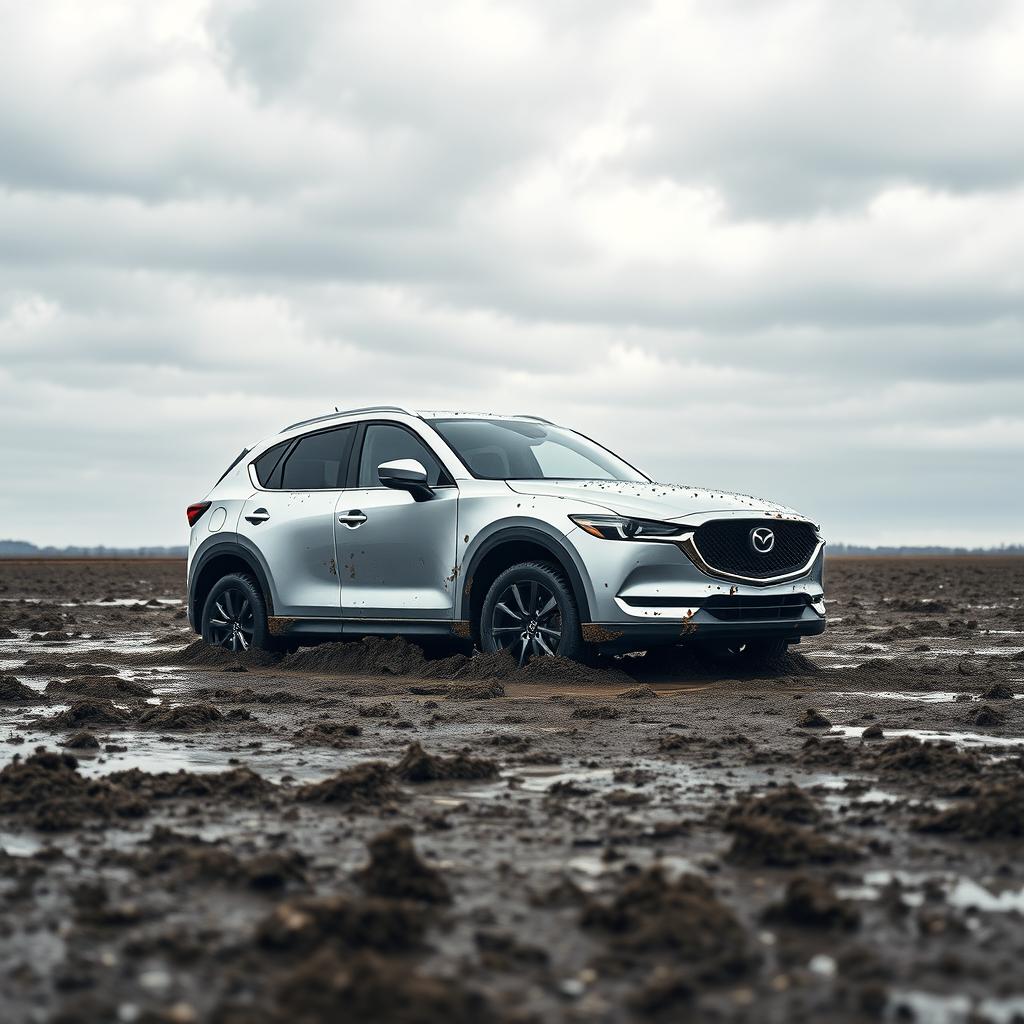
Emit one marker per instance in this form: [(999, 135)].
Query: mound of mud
[(82, 741), (788, 803), (474, 691), (373, 655), (246, 695), (304, 925), (397, 872), (596, 711), (48, 792), (180, 718), (994, 812), (14, 691), (98, 686), (814, 719), (929, 760), (812, 903), (90, 711), (568, 672), (364, 785), (238, 784), (761, 841), (327, 734), (684, 918), (35, 667), (375, 990), (419, 766), (638, 693), (998, 691)]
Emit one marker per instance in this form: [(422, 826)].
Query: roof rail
[(349, 412), (539, 419)]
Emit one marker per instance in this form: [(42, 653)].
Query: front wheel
[(235, 615), (530, 612)]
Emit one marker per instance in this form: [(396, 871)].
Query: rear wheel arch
[(509, 547), (216, 562)]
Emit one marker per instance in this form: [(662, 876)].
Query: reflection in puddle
[(958, 891), (953, 1009), (961, 739)]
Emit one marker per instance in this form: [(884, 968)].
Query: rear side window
[(268, 466), (318, 461), (385, 442)]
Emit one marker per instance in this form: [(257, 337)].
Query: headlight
[(624, 528)]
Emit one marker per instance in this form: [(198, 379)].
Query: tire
[(235, 616), (530, 610), (750, 654)]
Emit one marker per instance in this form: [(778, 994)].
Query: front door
[(396, 555)]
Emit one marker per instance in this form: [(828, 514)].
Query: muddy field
[(366, 832)]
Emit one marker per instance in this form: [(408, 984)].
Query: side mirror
[(405, 475)]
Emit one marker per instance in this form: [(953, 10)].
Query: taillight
[(195, 512)]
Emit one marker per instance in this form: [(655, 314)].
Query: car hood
[(651, 500)]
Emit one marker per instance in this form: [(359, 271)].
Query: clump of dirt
[(872, 732), (995, 812), (987, 717), (812, 903), (814, 719), (599, 711), (474, 691), (683, 917), (375, 990), (36, 667), (47, 790), (90, 711), (417, 765), (927, 759), (383, 709), (304, 925), (788, 803), (396, 871), (328, 734), (82, 741), (998, 691), (639, 693), (180, 717), (14, 691), (98, 686), (246, 695), (759, 840), (238, 784), (198, 654), (565, 671), (363, 785)]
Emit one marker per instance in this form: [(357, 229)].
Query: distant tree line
[(863, 549), (24, 549)]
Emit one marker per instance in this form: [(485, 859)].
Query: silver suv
[(505, 530)]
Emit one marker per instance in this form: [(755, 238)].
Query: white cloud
[(772, 246)]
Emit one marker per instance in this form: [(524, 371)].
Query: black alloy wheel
[(235, 615), (530, 612)]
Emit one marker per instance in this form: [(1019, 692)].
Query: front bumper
[(647, 593)]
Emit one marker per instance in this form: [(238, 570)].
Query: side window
[(319, 461), (268, 464), (386, 443)]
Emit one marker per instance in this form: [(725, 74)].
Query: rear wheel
[(235, 615), (530, 612)]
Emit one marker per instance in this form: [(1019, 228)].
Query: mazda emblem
[(762, 540)]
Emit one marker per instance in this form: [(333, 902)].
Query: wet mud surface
[(372, 832)]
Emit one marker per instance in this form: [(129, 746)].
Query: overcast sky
[(775, 247)]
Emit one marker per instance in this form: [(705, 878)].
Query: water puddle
[(932, 1008), (958, 891), (961, 739)]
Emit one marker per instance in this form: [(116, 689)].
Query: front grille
[(725, 546), (756, 609)]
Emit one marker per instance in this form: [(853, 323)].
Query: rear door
[(291, 520), (396, 555)]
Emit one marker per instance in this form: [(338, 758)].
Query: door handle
[(260, 515), (352, 519)]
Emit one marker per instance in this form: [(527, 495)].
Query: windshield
[(520, 450)]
